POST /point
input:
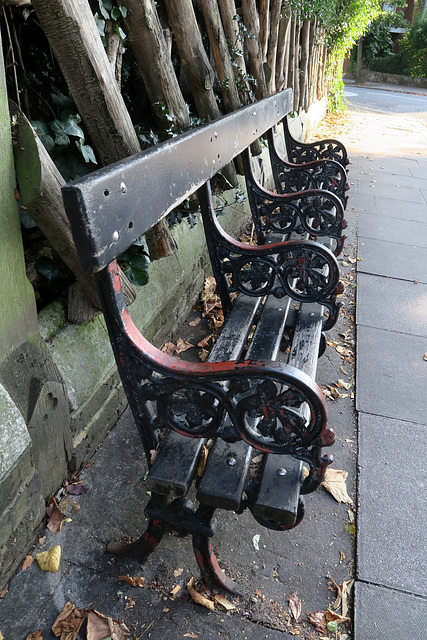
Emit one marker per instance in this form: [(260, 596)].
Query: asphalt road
[(386, 101)]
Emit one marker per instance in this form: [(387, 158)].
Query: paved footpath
[(389, 194)]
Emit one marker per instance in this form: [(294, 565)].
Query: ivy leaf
[(86, 151), (103, 9), (43, 133), (62, 101), (71, 128), (123, 11), (121, 32), (100, 23), (61, 138), (115, 13), (136, 269)]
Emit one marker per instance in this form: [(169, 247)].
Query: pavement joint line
[(384, 586), (400, 333), (381, 415)]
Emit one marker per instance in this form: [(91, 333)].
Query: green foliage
[(378, 42), (110, 11), (134, 263), (393, 63), (414, 47), (59, 134)]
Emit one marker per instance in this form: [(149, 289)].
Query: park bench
[(242, 402)]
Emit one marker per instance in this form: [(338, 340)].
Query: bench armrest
[(301, 152), (274, 407)]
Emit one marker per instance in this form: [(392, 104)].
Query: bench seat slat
[(173, 469), (225, 475), (279, 494)]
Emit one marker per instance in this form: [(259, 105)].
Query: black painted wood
[(110, 208)]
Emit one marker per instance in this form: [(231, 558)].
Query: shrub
[(414, 47)]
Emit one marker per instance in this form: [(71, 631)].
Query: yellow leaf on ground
[(182, 345), (68, 623), (334, 482), (294, 605), (177, 572), (197, 597), (332, 616), (49, 560)]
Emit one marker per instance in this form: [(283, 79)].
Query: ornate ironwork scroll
[(301, 152)]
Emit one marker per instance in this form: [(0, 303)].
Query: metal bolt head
[(231, 460), (281, 471), (122, 187)]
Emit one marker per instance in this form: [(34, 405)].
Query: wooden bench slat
[(225, 475), (173, 469), (235, 331), (279, 492)]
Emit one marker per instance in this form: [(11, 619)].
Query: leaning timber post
[(291, 56), (303, 67), (296, 63), (255, 63), (264, 26), (74, 38), (275, 13), (219, 48), (35, 437), (195, 64), (282, 59), (149, 46)]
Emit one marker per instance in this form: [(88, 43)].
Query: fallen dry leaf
[(344, 351), (134, 581), (55, 516), (342, 384), (130, 603), (343, 592), (169, 348), (75, 507), (194, 322), (3, 593), (68, 623), (229, 606), (76, 488), (204, 343), (177, 572), (202, 462), (294, 605), (318, 619), (183, 345), (100, 627), (197, 597), (331, 616), (28, 561), (49, 560), (203, 355), (36, 635), (334, 482), (190, 635)]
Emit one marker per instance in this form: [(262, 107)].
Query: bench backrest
[(112, 207)]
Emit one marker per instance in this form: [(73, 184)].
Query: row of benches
[(243, 400)]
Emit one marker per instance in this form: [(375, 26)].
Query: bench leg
[(209, 568), (144, 546)]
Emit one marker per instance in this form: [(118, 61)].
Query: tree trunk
[(303, 67), (264, 26), (74, 38), (282, 60), (221, 55), (312, 65), (251, 22), (275, 13), (114, 50), (149, 47)]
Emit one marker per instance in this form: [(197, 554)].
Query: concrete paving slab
[(397, 209), (393, 260), (388, 303), (391, 517), (381, 189), (424, 194), (362, 203), (419, 171), (392, 230), (384, 164), (391, 376), (383, 614)]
